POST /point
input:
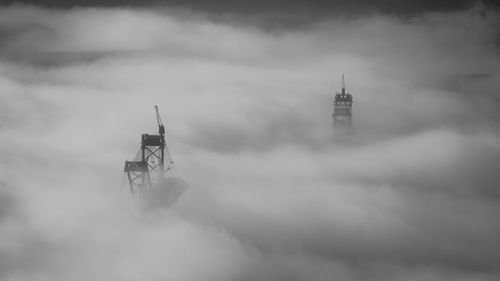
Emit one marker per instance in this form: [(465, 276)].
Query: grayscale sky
[(246, 90)]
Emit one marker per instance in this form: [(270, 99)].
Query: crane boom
[(161, 128), (161, 131)]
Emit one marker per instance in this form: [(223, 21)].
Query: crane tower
[(148, 169)]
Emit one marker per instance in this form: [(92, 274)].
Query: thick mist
[(412, 195)]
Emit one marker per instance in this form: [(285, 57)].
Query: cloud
[(411, 194)]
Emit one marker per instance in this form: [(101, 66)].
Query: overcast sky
[(412, 194), (309, 8)]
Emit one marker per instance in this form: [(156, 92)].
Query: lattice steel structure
[(148, 169)]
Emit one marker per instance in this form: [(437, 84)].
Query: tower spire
[(343, 84), (342, 109)]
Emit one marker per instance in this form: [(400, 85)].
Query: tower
[(342, 108), (148, 170), (151, 174)]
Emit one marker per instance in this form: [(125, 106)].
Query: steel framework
[(148, 169)]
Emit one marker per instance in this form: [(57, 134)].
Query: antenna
[(343, 84)]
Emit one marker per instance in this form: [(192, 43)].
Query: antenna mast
[(343, 84)]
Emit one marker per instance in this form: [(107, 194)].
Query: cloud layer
[(411, 194)]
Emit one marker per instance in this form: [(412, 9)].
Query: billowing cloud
[(410, 194)]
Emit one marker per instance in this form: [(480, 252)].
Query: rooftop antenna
[(343, 84)]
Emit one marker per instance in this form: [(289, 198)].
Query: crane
[(161, 131), (151, 174), (161, 128), (148, 169)]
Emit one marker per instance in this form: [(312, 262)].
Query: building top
[(343, 96)]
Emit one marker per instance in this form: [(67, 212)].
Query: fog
[(410, 194)]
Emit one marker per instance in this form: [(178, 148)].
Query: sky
[(275, 193), (242, 6)]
